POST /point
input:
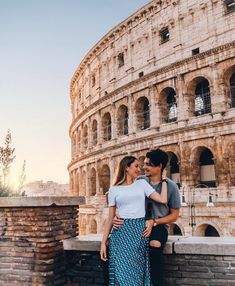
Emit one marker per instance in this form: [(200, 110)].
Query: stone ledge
[(92, 243), (175, 244), (205, 245), (41, 201), (81, 245)]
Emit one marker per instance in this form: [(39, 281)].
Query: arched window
[(93, 228), (142, 113), (211, 231), (106, 126), (206, 230), (174, 229), (202, 97), (94, 132), (167, 105), (104, 178), (85, 137), (93, 182), (171, 105), (207, 168), (122, 120), (174, 168), (232, 90)]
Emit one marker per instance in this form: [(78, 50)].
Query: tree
[(6, 158)]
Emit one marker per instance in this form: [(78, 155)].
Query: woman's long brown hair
[(120, 175)]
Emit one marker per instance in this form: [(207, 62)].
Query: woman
[(128, 246)]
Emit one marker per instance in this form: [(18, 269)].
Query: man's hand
[(149, 225), (117, 222)]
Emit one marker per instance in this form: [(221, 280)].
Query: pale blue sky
[(41, 45)]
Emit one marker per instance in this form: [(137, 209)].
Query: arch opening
[(104, 178), (93, 182), (232, 89), (122, 120), (106, 127), (202, 99), (94, 132), (207, 168), (142, 113)]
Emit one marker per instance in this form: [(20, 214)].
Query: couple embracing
[(140, 207)]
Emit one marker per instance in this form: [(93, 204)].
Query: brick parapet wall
[(191, 261), (31, 234)]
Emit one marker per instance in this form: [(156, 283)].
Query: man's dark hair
[(157, 157)]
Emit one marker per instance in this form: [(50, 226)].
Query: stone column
[(99, 128), (97, 179), (154, 108), (182, 99), (219, 100), (80, 181), (112, 169), (89, 133), (221, 163), (113, 122), (75, 181), (87, 181), (81, 140), (231, 160), (185, 164), (131, 115), (77, 149), (72, 146)]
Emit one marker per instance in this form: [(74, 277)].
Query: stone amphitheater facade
[(164, 77)]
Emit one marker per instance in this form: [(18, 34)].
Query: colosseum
[(164, 77)]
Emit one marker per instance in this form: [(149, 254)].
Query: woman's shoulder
[(114, 188), (143, 180)]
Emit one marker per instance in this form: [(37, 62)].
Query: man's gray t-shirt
[(158, 210)]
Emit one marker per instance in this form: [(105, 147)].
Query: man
[(160, 214)]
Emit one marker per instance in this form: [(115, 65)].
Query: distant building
[(49, 188), (164, 77)]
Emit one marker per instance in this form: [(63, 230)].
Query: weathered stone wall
[(31, 234), (149, 99), (189, 262)]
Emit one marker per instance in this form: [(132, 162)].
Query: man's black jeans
[(159, 233)]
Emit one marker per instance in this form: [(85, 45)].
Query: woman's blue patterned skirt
[(129, 255)]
